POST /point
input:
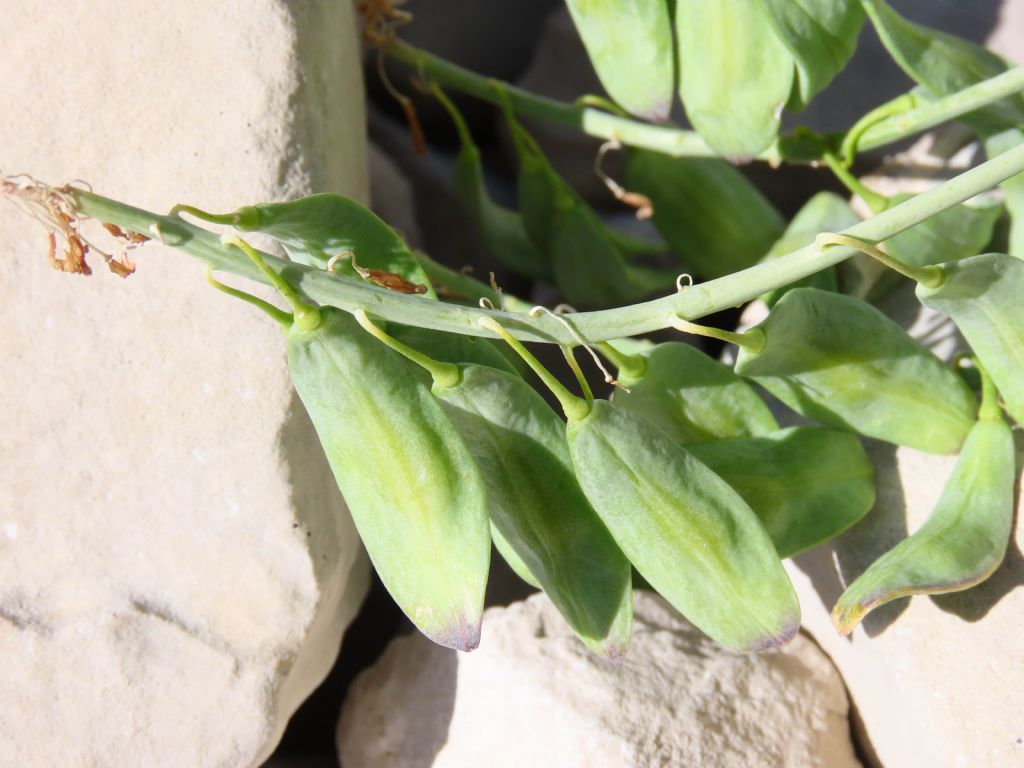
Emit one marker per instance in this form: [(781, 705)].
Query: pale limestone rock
[(531, 695), (936, 681), (176, 564)]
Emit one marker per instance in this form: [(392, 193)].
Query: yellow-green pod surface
[(690, 535), (692, 397), (713, 219), (984, 295), (962, 542), (314, 229), (840, 361), (629, 42), (821, 35), (537, 505), (735, 74), (414, 491), (807, 485)]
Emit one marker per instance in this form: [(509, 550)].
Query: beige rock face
[(176, 564), (531, 695)]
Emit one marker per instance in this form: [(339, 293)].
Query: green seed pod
[(840, 361), (806, 485), (315, 229), (712, 218), (629, 42), (690, 535), (735, 74), (690, 396), (962, 542), (537, 507), (825, 212), (588, 267), (501, 229), (414, 491), (410, 482), (955, 233), (983, 295), (821, 36)]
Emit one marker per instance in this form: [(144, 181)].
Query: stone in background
[(176, 564), (532, 695)]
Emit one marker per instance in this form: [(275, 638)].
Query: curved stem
[(672, 140), (692, 303), (445, 375), (930, 276), (753, 339)]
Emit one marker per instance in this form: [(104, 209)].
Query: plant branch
[(690, 303), (798, 147)]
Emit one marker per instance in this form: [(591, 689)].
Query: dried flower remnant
[(55, 209)]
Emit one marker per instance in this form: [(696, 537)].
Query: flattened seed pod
[(713, 219), (688, 534), (546, 528), (692, 537), (984, 295), (735, 74), (690, 396), (840, 361), (410, 482), (537, 506), (807, 485), (821, 35), (316, 228), (964, 539), (629, 42)]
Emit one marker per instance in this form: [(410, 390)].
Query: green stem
[(672, 140), (284, 319), (574, 366), (445, 375), (940, 110), (931, 276), (468, 287), (631, 367), (876, 202), (753, 339), (575, 408), (635, 320), (989, 410), (306, 316), (594, 122), (851, 142)]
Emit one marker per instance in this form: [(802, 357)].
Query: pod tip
[(777, 640), (463, 635)]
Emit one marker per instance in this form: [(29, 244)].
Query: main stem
[(672, 140), (690, 303)]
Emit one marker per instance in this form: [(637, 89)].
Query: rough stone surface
[(176, 565), (531, 695)]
